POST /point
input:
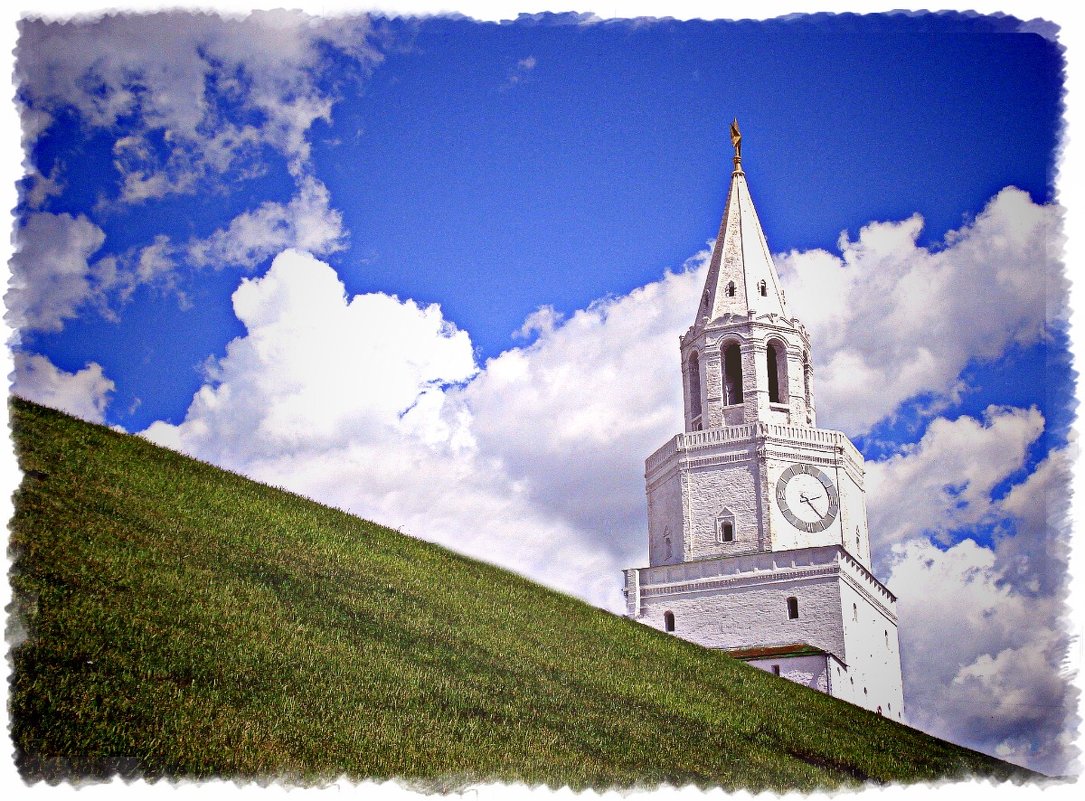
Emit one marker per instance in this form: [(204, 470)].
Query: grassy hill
[(183, 621)]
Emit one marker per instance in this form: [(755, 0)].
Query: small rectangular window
[(775, 670)]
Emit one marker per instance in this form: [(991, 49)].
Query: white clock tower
[(757, 527)]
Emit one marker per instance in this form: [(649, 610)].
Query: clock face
[(807, 498)]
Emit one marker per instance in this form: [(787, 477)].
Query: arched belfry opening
[(694, 387), (732, 374), (777, 371)]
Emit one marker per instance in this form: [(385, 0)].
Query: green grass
[(183, 621)]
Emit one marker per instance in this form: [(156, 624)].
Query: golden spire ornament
[(736, 142)]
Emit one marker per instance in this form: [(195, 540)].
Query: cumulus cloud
[(983, 664), (84, 393), (944, 482), (982, 629), (521, 71), (314, 367), (348, 401), (200, 94), (890, 320), (573, 416), (307, 222), (51, 275)]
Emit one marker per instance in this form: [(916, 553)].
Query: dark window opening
[(668, 621), (792, 608), (763, 288), (775, 670), (694, 386), (777, 371), (732, 374), (727, 531), (730, 289)]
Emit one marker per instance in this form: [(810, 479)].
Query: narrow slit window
[(730, 289), (775, 670), (763, 288), (792, 608), (668, 621)]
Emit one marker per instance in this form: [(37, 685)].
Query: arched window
[(763, 288), (730, 289), (777, 370), (732, 374), (668, 621), (694, 385), (792, 608)]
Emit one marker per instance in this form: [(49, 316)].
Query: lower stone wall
[(753, 616), (810, 671)]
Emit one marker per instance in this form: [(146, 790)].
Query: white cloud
[(573, 416), (37, 188), (1033, 558), (84, 393), (982, 663), (521, 71), (890, 320), (203, 93), (307, 223), (944, 482), (51, 276), (345, 400), (982, 629)]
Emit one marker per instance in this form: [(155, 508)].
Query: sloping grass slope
[(183, 621)]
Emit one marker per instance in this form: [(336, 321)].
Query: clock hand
[(806, 500)]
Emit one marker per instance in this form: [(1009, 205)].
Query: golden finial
[(736, 142)]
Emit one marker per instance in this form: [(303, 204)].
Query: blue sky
[(465, 251)]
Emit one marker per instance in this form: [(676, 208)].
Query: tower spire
[(741, 273)]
